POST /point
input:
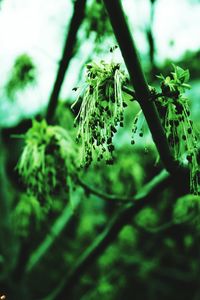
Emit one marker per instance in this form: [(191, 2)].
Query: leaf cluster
[(176, 82)]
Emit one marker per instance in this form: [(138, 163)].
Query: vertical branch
[(77, 18), (140, 85)]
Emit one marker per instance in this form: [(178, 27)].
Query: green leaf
[(180, 74), (185, 207)]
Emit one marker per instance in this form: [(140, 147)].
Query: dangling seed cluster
[(137, 129), (175, 115), (101, 111)]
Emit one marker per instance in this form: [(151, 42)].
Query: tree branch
[(142, 91), (55, 231), (113, 198), (77, 18), (129, 91), (122, 217), (63, 220), (165, 226)]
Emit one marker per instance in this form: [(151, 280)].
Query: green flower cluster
[(48, 161), (101, 111), (174, 111)]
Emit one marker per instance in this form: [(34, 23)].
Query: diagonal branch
[(165, 226), (122, 217), (77, 18), (55, 231), (137, 77)]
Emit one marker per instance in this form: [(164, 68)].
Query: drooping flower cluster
[(47, 162), (101, 111), (174, 111), (137, 128)]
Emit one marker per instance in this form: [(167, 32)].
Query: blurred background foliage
[(153, 257), (21, 75)]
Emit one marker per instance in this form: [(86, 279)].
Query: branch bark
[(77, 18), (51, 237), (128, 91), (129, 52), (122, 217)]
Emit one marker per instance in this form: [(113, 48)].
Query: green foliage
[(26, 215), (48, 161), (124, 177), (127, 236), (188, 241), (97, 20), (140, 263), (189, 60), (147, 217), (175, 83), (174, 111), (185, 208), (101, 111), (23, 74)]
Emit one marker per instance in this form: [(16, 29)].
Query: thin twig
[(165, 226), (113, 198), (129, 91)]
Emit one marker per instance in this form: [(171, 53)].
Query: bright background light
[(38, 28)]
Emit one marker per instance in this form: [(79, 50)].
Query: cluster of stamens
[(174, 111), (101, 111)]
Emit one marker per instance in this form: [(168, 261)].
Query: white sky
[(177, 20), (37, 27)]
